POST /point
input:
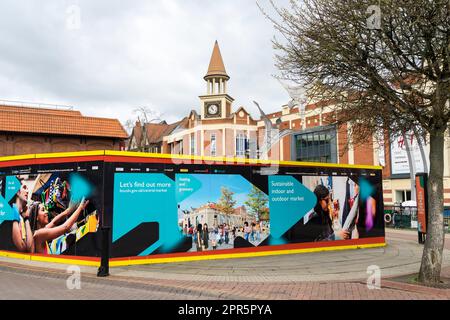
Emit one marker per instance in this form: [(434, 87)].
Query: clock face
[(213, 109)]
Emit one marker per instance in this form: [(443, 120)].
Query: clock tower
[(216, 104)]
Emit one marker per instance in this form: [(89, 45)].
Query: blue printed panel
[(289, 201), (12, 187), (187, 185), (6, 212), (142, 198)]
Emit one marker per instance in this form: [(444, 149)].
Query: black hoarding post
[(103, 271)]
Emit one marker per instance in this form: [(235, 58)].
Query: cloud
[(130, 54)]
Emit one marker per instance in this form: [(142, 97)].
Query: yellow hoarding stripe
[(186, 157), (70, 154), (49, 258), (131, 262), (15, 158), (61, 260), (239, 160), (15, 255)]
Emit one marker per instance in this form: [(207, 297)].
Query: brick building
[(218, 129), (215, 129), (27, 130)]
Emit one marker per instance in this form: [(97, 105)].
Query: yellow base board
[(132, 262), (50, 259)]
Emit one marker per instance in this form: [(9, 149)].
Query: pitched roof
[(216, 65), (137, 133), (239, 110), (57, 122), (155, 131), (57, 112)]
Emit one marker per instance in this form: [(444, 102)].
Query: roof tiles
[(57, 122)]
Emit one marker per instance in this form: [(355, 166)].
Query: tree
[(144, 115), (382, 68), (257, 203), (129, 125), (147, 114), (226, 203)]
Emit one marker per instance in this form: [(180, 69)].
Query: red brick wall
[(387, 155), (287, 148), (364, 152), (28, 144), (387, 195), (328, 118), (342, 144), (240, 120), (311, 121), (297, 124)]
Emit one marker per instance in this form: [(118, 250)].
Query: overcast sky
[(126, 54)]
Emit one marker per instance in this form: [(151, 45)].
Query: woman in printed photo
[(45, 231), (205, 237), (22, 236), (198, 237)]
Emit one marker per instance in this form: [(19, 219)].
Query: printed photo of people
[(225, 208), (337, 214), (48, 216)]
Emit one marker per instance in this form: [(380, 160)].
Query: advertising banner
[(53, 210), (399, 156), (163, 209), (157, 207)]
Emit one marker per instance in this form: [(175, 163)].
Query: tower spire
[(216, 66), (216, 103)]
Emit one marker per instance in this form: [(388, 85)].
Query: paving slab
[(339, 275)]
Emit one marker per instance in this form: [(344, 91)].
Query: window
[(180, 147), (241, 142), (154, 149), (316, 146), (213, 145), (402, 196), (192, 144)]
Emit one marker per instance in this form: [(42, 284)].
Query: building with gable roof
[(28, 129)]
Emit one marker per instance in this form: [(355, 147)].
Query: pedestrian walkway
[(326, 275)]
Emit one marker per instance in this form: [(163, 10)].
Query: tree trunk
[(430, 271)]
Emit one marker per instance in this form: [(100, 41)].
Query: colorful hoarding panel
[(52, 209), (168, 208), (158, 207)]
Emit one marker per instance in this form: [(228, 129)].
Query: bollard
[(103, 271)]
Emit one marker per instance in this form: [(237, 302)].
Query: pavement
[(340, 275)]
